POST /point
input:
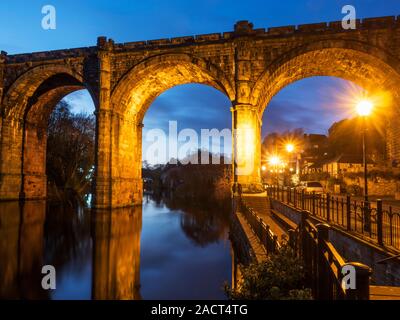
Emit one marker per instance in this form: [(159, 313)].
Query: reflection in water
[(21, 250), (204, 223), (183, 251), (181, 262), (116, 253)]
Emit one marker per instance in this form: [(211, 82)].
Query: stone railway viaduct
[(248, 65)]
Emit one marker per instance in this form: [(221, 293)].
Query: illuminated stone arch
[(368, 66), (135, 92), (27, 106), (120, 135)]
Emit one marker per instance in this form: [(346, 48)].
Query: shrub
[(280, 277)]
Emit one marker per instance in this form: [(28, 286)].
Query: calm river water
[(166, 249)]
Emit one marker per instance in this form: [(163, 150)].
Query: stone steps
[(261, 206)]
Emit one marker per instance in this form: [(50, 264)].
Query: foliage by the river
[(191, 181), (70, 153), (280, 277)]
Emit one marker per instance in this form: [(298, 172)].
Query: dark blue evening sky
[(308, 103)]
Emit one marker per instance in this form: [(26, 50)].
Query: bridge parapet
[(242, 29), (51, 55)]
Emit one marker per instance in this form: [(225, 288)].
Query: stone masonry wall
[(248, 65)]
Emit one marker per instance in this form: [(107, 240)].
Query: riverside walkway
[(278, 225)]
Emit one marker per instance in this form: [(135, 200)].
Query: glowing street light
[(364, 108), (263, 168), (274, 161), (290, 147)]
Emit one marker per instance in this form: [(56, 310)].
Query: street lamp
[(364, 109), (275, 161), (289, 147)]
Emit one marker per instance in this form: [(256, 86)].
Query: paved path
[(261, 206)]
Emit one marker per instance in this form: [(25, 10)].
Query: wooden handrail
[(324, 264)]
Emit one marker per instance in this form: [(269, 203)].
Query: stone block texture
[(248, 65)]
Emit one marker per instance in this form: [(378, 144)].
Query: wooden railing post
[(363, 275), (379, 221), (324, 288), (348, 212), (302, 200)]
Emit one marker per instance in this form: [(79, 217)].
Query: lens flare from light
[(364, 108), (290, 147), (274, 161)]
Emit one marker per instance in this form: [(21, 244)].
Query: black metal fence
[(370, 219), (263, 232), (324, 265)]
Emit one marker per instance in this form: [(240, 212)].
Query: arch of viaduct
[(248, 65)]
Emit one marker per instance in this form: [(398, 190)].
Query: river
[(164, 249)]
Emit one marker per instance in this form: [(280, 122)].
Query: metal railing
[(324, 265), (262, 231), (369, 219)]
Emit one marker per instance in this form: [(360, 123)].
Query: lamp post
[(274, 162), (364, 109), (290, 150)]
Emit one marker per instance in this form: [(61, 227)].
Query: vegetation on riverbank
[(70, 154), (192, 181), (280, 277)]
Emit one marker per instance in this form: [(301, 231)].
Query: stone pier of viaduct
[(248, 65)]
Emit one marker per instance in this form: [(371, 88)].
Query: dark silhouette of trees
[(70, 153)]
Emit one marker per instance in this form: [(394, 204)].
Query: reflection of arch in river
[(21, 250), (116, 253), (116, 249)]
